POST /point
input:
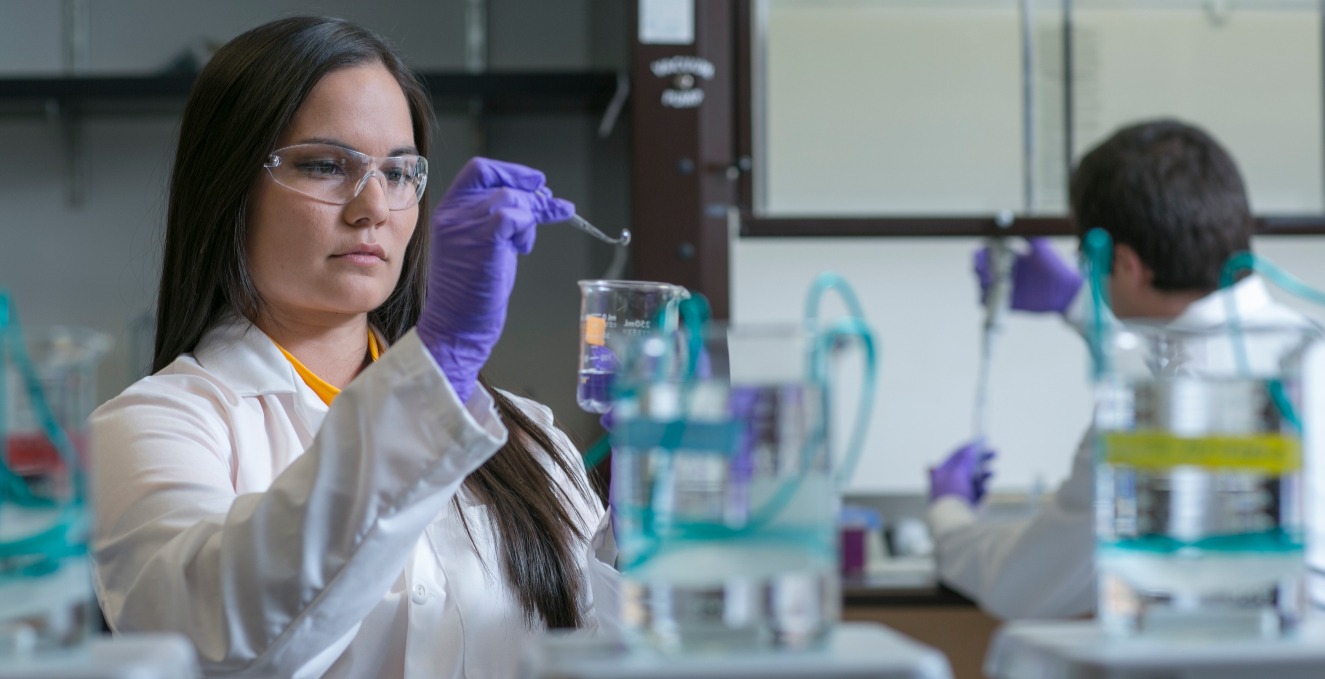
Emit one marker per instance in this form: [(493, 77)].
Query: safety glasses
[(334, 174)]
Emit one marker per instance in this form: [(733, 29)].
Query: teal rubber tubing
[(696, 316), (53, 541), (598, 451), (856, 327), (1098, 255), (1247, 261), (852, 326)]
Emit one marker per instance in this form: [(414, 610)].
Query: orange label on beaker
[(595, 330)]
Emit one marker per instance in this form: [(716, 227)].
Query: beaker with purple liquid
[(611, 313)]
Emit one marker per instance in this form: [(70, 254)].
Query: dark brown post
[(681, 116)]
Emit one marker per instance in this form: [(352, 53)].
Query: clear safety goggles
[(336, 175)]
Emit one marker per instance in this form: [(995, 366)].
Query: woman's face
[(318, 263)]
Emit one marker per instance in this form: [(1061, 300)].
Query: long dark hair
[(240, 104)]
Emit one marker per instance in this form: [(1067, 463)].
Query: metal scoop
[(580, 223)]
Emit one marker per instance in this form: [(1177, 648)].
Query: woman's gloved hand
[(487, 217), (965, 474), (1041, 281)]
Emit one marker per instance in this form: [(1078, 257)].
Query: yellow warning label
[(1268, 453), (595, 330)]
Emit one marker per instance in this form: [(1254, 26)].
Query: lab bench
[(926, 611), (898, 622), (1082, 650), (853, 650), (132, 656), (904, 593)]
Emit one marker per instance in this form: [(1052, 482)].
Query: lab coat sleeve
[(1037, 567), (275, 583)]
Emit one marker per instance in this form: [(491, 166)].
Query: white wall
[(871, 107), (96, 264), (913, 107), (920, 298)]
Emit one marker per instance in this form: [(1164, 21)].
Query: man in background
[(1175, 205)]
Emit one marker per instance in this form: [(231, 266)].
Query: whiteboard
[(903, 107)]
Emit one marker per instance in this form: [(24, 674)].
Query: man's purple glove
[(1041, 280), (964, 474), (486, 218)]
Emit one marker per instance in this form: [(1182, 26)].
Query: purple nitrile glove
[(1041, 281), (486, 218), (965, 474)]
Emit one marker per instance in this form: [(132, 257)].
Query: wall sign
[(667, 22), (685, 72)]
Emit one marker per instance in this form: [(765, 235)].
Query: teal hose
[(830, 280), (1246, 261), (854, 326), (598, 451), (13, 352), (1098, 255), (817, 373), (61, 538), (694, 315), (1097, 252)]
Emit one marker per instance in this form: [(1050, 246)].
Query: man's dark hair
[(1170, 192)]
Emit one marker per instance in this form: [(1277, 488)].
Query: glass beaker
[(1199, 480), (611, 312), (725, 498), (49, 389)]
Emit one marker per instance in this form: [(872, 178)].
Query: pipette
[(580, 223), (1001, 258)]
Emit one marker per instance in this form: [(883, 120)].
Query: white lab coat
[(1043, 566), (289, 539)]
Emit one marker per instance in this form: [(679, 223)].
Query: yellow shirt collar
[(321, 387)]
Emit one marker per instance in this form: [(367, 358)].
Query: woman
[(417, 523)]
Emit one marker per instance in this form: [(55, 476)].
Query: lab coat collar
[(248, 360), (1250, 297)]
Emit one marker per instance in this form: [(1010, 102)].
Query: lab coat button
[(420, 594)]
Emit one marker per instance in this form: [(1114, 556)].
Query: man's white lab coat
[(1043, 566), (289, 539)]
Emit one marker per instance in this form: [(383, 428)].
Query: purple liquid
[(594, 393), (853, 550)]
